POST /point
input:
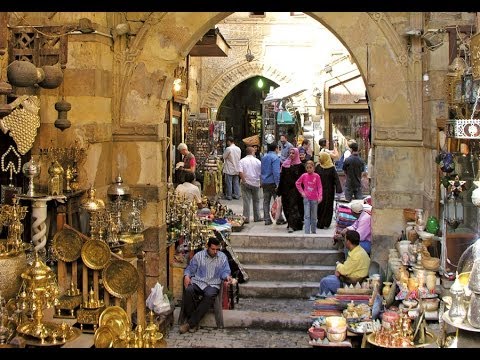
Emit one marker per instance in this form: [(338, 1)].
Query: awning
[(283, 92)]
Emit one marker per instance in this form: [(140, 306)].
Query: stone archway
[(392, 76), (235, 75)]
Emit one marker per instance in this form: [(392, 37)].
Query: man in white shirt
[(189, 190), (250, 170), (231, 158)]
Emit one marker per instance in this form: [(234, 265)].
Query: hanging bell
[(62, 107)]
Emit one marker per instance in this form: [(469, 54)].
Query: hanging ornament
[(62, 107), (456, 187)]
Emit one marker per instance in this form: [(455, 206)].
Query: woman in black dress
[(292, 201), (330, 185)]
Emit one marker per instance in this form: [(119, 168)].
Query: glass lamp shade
[(468, 257)]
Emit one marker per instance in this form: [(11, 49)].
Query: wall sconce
[(249, 56), (177, 84)]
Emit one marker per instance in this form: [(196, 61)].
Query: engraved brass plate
[(120, 278), (116, 319), (95, 254), (67, 245), (103, 337)]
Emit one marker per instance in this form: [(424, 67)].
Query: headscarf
[(325, 160), (296, 160)]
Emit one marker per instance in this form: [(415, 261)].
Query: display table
[(467, 335)]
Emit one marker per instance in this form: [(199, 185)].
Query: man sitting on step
[(353, 270), (203, 277)]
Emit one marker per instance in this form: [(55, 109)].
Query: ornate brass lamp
[(40, 290), (94, 207)]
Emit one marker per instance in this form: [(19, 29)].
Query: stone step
[(286, 241), (256, 319), (264, 256), (279, 289), (300, 273)]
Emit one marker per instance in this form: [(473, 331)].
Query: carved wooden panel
[(46, 45)]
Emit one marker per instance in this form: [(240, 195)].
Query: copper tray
[(95, 254), (115, 318), (103, 338), (120, 278), (67, 245)]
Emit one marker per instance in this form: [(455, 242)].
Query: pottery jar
[(22, 73), (431, 281), (53, 77), (412, 284), (387, 285), (402, 246)]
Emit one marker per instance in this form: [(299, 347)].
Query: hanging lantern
[(62, 107)]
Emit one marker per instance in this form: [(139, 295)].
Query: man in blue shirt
[(285, 147), (203, 277), (269, 181)]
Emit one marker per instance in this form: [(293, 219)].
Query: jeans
[(232, 183), (268, 194), (251, 194), (329, 283), (310, 215), (353, 193)]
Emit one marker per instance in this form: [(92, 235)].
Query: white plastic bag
[(276, 209), (157, 300)]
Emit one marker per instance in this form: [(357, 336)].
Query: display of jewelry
[(10, 161)]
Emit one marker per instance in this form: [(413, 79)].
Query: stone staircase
[(282, 265)]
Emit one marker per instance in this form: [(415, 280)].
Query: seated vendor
[(189, 190), (353, 270)]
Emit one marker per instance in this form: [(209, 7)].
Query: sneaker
[(228, 198), (281, 222), (184, 328), (236, 197), (290, 230), (258, 220), (268, 223)]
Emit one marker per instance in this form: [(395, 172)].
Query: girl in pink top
[(309, 185)]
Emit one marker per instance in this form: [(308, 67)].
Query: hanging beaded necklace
[(10, 165)]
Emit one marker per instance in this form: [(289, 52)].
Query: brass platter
[(120, 278), (95, 254), (67, 245), (429, 339), (115, 318), (104, 337)]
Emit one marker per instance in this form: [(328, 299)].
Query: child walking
[(309, 185)]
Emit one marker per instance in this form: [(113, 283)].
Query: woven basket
[(409, 214), (252, 140)]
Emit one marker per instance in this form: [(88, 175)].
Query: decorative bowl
[(316, 333)]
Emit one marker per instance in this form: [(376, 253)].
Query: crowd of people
[(307, 191)]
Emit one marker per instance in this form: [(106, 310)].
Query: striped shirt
[(205, 270)]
